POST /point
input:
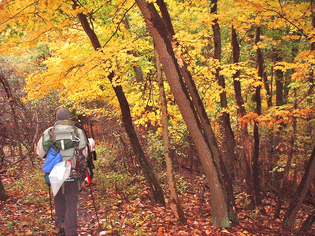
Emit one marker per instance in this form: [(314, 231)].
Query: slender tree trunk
[(307, 225), (127, 121), (3, 195), (244, 132), (308, 177), (301, 192), (164, 46), (13, 105), (285, 172), (279, 81), (1, 158), (268, 88), (279, 85), (228, 141), (136, 69), (174, 200), (313, 23), (146, 168), (257, 99)]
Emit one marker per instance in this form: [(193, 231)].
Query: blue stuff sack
[(53, 157)]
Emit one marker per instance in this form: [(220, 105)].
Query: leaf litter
[(27, 212)]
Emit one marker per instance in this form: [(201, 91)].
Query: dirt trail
[(88, 224)]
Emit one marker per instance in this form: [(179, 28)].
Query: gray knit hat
[(62, 114)]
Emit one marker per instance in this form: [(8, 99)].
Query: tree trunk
[(285, 173), (313, 23), (174, 200), (226, 181), (228, 141), (164, 46), (127, 121), (287, 168), (3, 195), (279, 84), (13, 104), (136, 69), (307, 225), (1, 157), (257, 99), (301, 192), (279, 80), (247, 149)]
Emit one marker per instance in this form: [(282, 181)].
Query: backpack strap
[(47, 144), (51, 133)]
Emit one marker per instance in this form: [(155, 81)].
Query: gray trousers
[(66, 204)]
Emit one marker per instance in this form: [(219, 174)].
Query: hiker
[(91, 149), (92, 154), (66, 199)]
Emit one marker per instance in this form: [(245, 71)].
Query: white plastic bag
[(58, 175)]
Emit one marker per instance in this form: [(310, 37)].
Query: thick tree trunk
[(204, 119), (174, 200), (127, 121), (211, 139), (301, 192), (247, 149), (171, 69)]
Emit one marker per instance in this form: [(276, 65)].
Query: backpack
[(62, 137)]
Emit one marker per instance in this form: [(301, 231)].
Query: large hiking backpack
[(63, 135), (64, 138)]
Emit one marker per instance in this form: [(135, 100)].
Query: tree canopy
[(252, 63)]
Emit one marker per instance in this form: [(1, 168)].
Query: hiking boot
[(61, 232)]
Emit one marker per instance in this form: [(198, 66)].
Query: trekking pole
[(98, 221), (88, 181), (51, 214)]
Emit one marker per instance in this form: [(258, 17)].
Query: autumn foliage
[(238, 78)]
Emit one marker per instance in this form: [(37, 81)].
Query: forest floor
[(129, 211)]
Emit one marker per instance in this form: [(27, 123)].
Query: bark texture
[(167, 57), (155, 187), (226, 179)]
